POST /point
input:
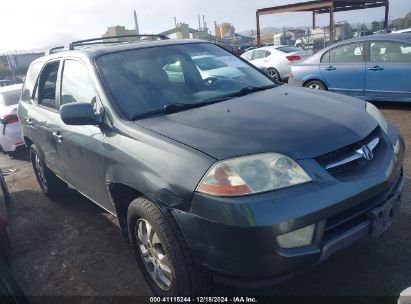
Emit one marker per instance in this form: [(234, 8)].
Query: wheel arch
[(315, 79), (27, 141), (121, 197)]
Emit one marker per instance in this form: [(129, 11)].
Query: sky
[(28, 24)]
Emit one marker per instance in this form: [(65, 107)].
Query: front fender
[(160, 168)]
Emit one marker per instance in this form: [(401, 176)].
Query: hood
[(297, 122)]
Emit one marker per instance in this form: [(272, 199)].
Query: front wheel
[(52, 186), (161, 252), (315, 85)]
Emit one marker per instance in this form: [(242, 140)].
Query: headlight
[(252, 174), (377, 115)]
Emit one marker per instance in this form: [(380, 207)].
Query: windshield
[(146, 80)]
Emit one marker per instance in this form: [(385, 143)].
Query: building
[(184, 31), (119, 30), (224, 30)]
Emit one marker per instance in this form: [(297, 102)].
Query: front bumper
[(235, 238)]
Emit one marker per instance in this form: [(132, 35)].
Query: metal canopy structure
[(322, 7)]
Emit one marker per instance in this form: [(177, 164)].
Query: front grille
[(354, 216), (336, 155)]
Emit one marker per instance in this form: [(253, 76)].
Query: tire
[(316, 85), (5, 248), (166, 248), (274, 74), (52, 186)]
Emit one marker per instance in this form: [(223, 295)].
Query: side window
[(30, 81), (247, 55), (46, 94), (258, 54), (325, 57), (389, 51), (76, 85), (352, 52)]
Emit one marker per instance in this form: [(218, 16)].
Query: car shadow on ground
[(70, 247), (385, 105), (21, 154)]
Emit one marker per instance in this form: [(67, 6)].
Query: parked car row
[(373, 68)]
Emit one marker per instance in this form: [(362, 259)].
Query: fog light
[(297, 238)]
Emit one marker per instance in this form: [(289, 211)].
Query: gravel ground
[(73, 247)]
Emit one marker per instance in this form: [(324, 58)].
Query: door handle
[(330, 68), (376, 68), (58, 135)]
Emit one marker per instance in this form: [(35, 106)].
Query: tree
[(377, 25), (401, 23)]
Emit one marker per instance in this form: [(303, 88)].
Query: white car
[(210, 68), (10, 132), (276, 59)]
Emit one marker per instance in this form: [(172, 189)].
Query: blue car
[(373, 68)]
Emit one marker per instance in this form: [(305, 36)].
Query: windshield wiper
[(170, 108), (244, 91), (179, 106)]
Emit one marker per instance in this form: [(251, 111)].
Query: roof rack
[(103, 40)]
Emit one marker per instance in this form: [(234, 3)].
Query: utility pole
[(136, 23)]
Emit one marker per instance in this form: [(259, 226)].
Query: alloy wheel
[(273, 74), (40, 171), (153, 255), (315, 86)]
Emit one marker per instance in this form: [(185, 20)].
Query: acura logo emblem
[(365, 152)]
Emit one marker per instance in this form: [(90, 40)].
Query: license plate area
[(382, 217)]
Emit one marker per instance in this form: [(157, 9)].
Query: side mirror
[(78, 113)]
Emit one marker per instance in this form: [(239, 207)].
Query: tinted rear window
[(9, 98), (288, 49)]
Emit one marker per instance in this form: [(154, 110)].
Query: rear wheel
[(161, 252), (274, 74), (52, 186), (315, 85)]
